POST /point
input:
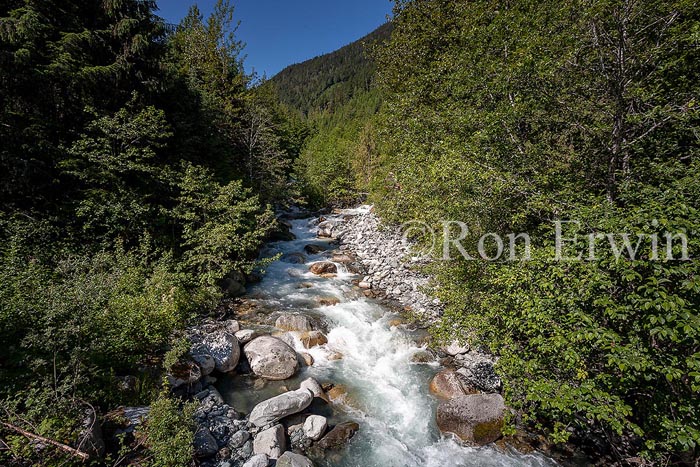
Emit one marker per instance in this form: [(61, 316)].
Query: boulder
[(289, 459), (246, 335), (448, 384), (284, 405), (313, 386), (204, 444), (288, 338), (294, 322), (323, 267), (339, 436), (315, 427), (478, 371), (271, 442), (270, 358), (259, 460), (313, 339), (476, 419), (222, 346)]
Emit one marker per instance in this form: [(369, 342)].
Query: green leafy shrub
[(169, 432)]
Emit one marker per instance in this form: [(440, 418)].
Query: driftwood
[(63, 447)]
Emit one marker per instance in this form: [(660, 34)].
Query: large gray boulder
[(270, 358), (270, 442), (476, 419), (284, 405), (290, 322), (289, 459), (222, 346)]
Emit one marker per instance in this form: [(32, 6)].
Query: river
[(387, 394)]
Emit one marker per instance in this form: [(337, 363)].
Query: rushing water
[(387, 394)]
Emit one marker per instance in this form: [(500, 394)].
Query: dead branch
[(63, 447)]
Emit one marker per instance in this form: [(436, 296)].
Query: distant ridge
[(329, 81)]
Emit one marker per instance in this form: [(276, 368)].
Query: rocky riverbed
[(315, 365)]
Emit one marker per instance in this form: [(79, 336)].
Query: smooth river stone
[(271, 358), (284, 405), (476, 419)]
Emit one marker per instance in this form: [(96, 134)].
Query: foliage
[(223, 227), (511, 118), (169, 432), (337, 160), (127, 196)]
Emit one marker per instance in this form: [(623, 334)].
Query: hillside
[(331, 80)]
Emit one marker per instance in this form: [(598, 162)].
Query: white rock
[(222, 346), (270, 442), (275, 409), (270, 358), (315, 427), (455, 348)]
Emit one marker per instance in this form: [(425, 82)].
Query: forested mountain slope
[(329, 81)]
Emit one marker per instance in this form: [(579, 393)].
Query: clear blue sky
[(278, 33)]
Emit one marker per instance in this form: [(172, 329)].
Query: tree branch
[(63, 447)]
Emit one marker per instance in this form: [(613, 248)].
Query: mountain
[(329, 81)]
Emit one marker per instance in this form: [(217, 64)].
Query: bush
[(169, 433)]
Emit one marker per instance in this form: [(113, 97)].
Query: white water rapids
[(387, 394)]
